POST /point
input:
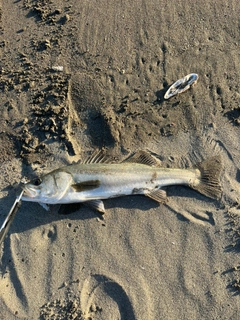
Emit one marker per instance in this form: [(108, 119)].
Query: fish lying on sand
[(95, 180), (181, 85)]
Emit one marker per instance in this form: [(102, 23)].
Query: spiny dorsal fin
[(86, 185), (144, 157), (158, 195), (98, 156)]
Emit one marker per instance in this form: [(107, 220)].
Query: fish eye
[(37, 182)]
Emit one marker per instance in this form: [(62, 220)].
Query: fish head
[(48, 189)]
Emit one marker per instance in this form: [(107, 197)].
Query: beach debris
[(57, 68), (9, 219), (181, 85)]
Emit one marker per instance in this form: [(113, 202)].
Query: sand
[(77, 76)]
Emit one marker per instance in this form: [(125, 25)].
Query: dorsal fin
[(144, 157), (98, 156)]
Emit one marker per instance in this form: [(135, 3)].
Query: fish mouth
[(29, 191)]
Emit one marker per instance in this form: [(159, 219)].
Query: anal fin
[(158, 195)]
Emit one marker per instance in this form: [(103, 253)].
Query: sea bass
[(96, 180)]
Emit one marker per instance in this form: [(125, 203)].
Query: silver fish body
[(97, 181)]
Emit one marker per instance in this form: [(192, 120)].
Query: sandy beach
[(76, 76)]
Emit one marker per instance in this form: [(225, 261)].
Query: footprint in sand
[(50, 233), (104, 298), (90, 119)]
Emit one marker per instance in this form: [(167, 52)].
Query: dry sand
[(144, 261)]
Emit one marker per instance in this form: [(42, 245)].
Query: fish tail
[(209, 182)]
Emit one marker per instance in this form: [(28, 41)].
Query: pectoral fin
[(44, 205), (86, 185), (158, 195), (97, 205)]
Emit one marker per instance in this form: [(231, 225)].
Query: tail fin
[(209, 181)]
